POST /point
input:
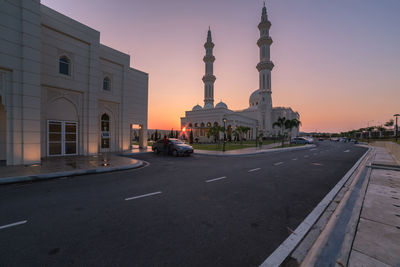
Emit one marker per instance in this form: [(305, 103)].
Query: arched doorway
[(105, 144), (62, 128)]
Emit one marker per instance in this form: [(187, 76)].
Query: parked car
[(175, 147), (300, 140)]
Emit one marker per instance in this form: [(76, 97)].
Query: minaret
[(209, 77), (264, 68)]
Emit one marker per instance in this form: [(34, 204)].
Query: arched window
[(105, 129), (64, 65), (208, 124), (190, 125), (105, 123), (106, 84)]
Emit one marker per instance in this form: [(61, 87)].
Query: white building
[(61, 91), (259, 115)]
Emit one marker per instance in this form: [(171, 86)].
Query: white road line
[(294, 159), (146, 195), (313, 149), (346, 151), (253, 170), (306, 156), (317, 164), (315, 154), (216, 179), (278, 163), (12, 224)]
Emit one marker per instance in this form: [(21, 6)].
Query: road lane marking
[(317, 164), (294, 159), (306, 156), (12, 224), (346, 151), (216, 179), (278, 163), (146, 195), (315, 154), (313, 149), (253, 170)]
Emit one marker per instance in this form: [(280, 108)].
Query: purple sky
[(336, 62)]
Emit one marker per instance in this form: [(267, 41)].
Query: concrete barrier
[(392, 147)]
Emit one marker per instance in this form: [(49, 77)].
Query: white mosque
[(259, 116)]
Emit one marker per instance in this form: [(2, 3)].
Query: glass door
[(54, 146), (70, 141), (62, 138)]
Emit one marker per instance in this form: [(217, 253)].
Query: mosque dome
[(255, 98), (208, 106), (221, 105), (197, 107)]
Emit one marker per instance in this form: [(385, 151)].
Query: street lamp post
[(396, 127), (223, 145)]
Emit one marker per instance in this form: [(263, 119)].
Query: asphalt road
[(191, 211)]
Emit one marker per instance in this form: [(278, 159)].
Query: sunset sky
[(336, 62)]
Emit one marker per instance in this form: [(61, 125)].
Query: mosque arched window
[(107, 84), (64, 65)]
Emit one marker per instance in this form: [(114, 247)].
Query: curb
[(288, 246), (135, 153), (53, 175), (270, 150)]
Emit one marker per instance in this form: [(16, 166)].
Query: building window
[(106, 84), (64, 65), (105, 131)]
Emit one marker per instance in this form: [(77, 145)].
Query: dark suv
[(175, 147)]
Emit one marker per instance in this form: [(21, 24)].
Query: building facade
[(62, 92), (259, 116)]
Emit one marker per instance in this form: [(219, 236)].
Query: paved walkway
[(67, 166), (136, 150), (248, 151), (377, 240)]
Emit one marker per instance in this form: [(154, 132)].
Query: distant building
[(63, 93), (259, 115)]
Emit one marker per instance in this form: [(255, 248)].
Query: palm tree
[(281, 122), (290, 124), (389, 123), (214, 131), (242, 130)]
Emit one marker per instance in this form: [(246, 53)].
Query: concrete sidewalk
[(377, 240), (57, 167)]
